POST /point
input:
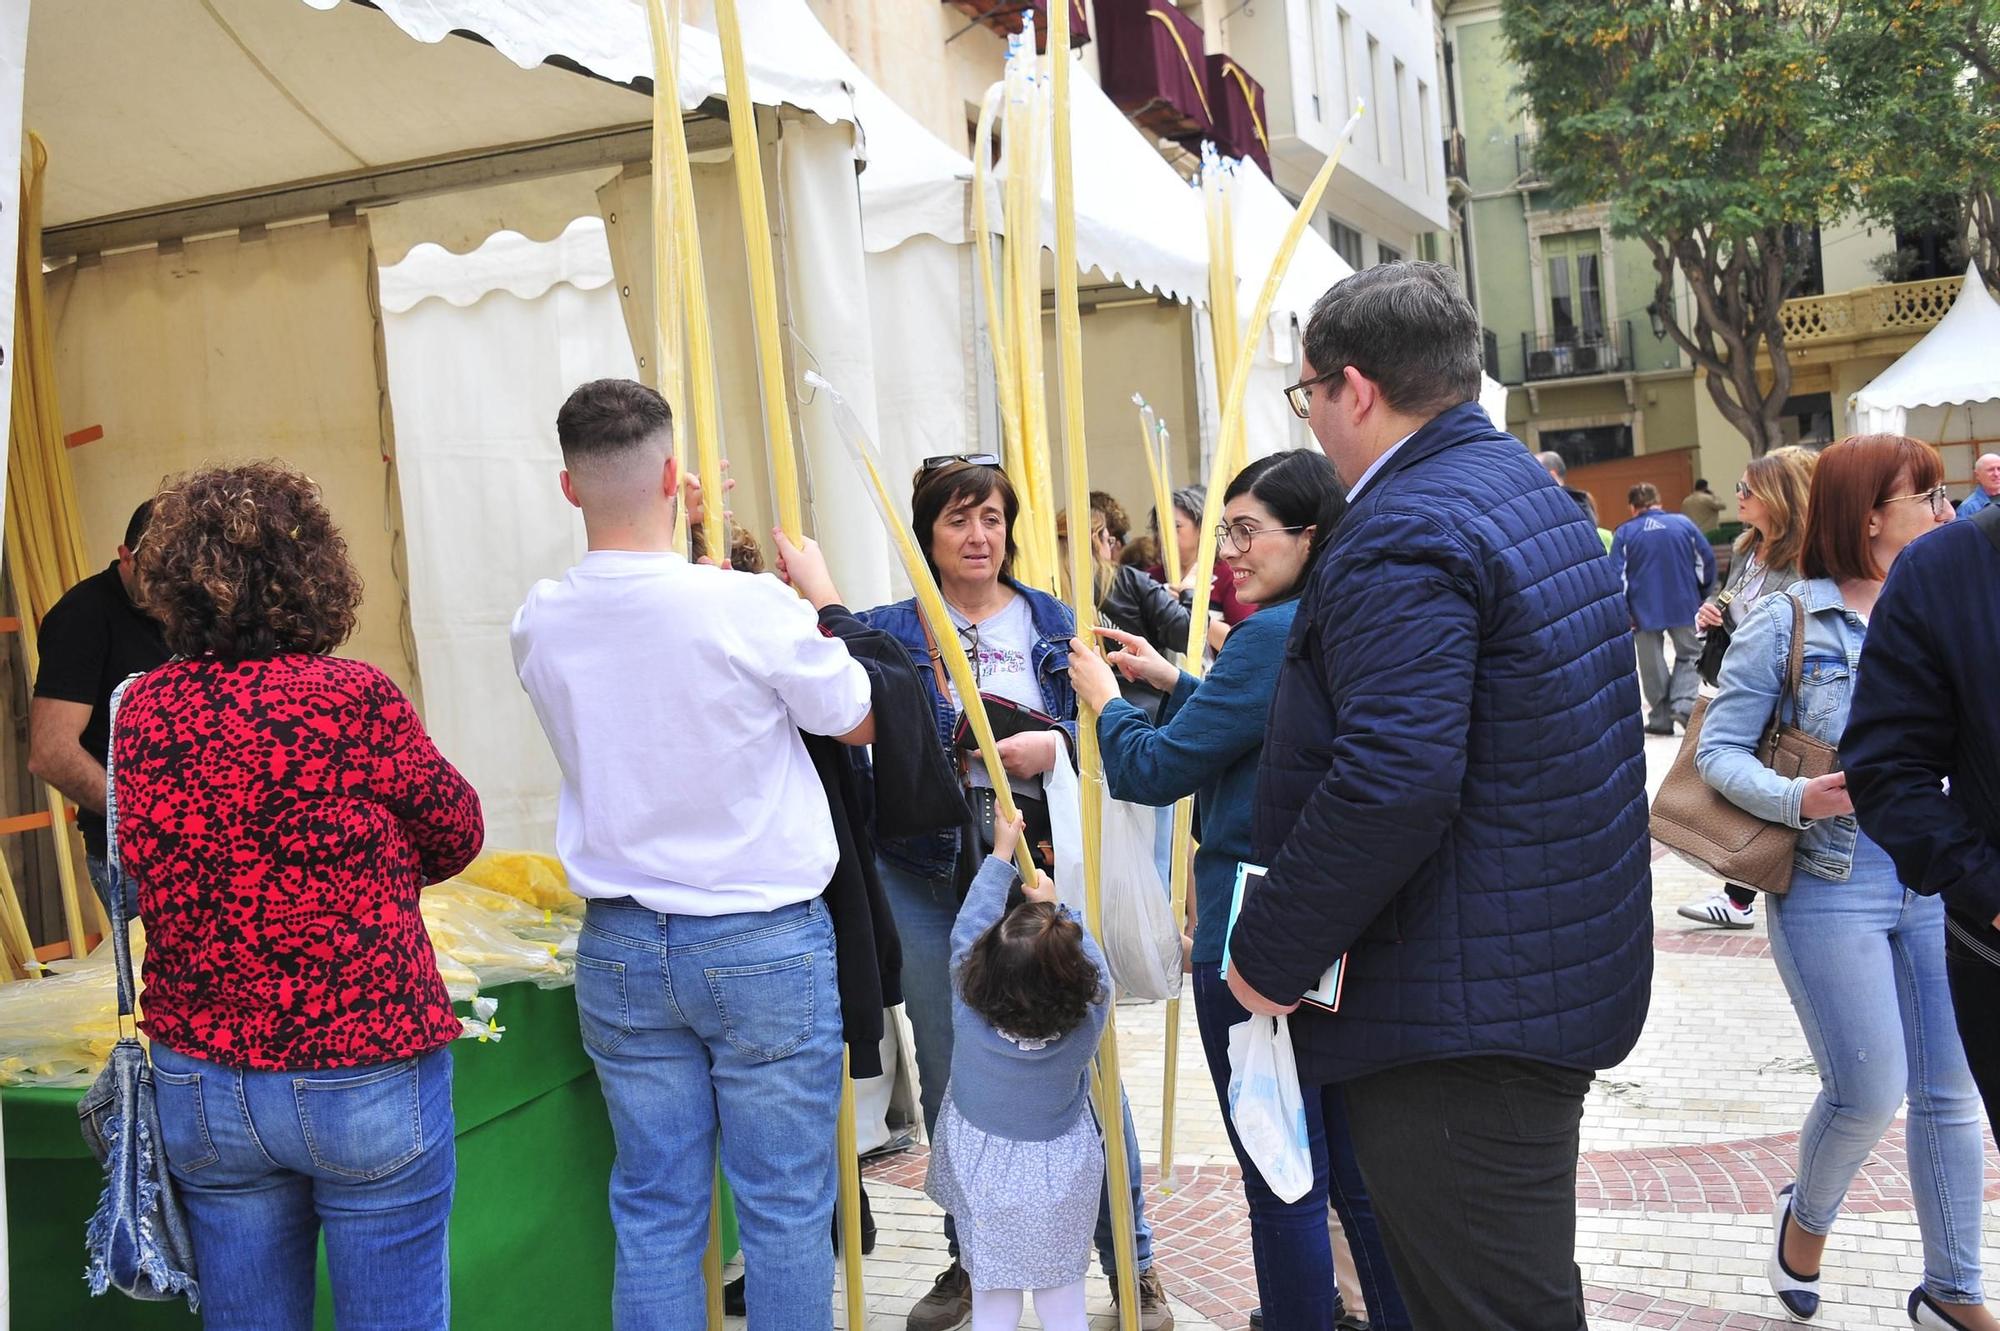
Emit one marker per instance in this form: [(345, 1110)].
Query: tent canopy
[(1953, 364)]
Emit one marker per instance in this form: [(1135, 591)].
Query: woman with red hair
[(1861, 956)]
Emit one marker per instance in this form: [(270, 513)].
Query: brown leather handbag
[(1696, 822)]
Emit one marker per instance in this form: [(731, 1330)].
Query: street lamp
[(1659, 320)]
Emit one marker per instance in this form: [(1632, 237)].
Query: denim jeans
[(729, 1027), (267, 1162), (1864, 962), (100, 881), (1288, 1240), (925, 910)]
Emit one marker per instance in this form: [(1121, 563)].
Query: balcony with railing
[(1575, 352), (1892, 310), (1454, 157)]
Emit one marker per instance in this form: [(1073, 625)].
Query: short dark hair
[(1115, 520), (1643, 495), (1701, 485), (245, 562), (135, 529), (1408, 327), (1301, 489), (608, 416), (1851, 480), (1028, 974), (936, 491)]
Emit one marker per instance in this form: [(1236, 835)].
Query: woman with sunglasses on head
[(1771, 499), (1861, 956), (1279, 515), (963, 511)]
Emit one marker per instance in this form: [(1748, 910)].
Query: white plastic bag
[(1265, 1105), (1140, 943)]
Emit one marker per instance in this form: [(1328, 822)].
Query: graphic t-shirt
[(1001, 649)]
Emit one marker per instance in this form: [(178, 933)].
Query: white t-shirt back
[(673, 694)]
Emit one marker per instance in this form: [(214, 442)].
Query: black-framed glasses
[(1940, 500), (1301, 400), (1238, 535), (953, 459), (969, 639)]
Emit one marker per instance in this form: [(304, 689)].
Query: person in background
[(1128, 599), (1558, 470), (962, 512), (1494, 914), (1187, 508), (279, 810), (1924, 719), (91, 640), (1702, 508), (1280, 516), (1771, 497), (1668, 567), (1142, 553), (1861, 955), (693, 823), (1985, 486), (1016, 1158)]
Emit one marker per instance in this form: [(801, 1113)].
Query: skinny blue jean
[(1863, 961)]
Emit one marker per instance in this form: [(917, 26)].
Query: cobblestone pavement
[(1684, 1146)]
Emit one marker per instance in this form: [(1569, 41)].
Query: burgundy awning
[(1241, 129), (1004, 16), (1152, 63)]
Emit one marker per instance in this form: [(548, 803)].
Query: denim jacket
[(935, 856), (1753, 675)]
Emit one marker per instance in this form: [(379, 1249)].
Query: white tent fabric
[(1954, 364), (476, 383)]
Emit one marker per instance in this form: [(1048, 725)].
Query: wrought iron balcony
[(1576, 352), (1454, 156)]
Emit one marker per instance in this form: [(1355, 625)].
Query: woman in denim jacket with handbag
[(963, 511), (1861, 957)]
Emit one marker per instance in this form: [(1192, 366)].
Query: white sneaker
[(1719, 910)]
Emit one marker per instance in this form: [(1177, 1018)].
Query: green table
[(531, 1242)]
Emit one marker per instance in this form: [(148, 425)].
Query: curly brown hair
[(1028, 974), (244, 563)]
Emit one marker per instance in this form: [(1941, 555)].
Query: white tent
[(1945, 389)]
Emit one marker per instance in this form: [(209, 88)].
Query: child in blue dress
[(1017, 1159)]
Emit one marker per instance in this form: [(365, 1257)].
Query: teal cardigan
[(1206, 743)]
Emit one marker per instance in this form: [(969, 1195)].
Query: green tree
[(1920, 80), (1714, 132)]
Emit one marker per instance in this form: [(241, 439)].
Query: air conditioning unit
[(1541, 364)]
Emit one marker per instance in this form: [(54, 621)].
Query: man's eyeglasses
[(1742, 490), (1939, 497), (1238, 535), (1301, 400), (953, 459)]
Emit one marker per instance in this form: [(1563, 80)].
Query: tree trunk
[(1734, 313)]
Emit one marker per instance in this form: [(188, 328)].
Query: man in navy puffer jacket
[(1452, 794)]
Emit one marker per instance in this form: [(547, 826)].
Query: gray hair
[(1552, 463), (1408, 327)]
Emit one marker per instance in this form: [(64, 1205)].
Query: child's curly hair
[(245, 562), (1028, 975)]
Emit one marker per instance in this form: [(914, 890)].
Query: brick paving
[(1684, 1147)]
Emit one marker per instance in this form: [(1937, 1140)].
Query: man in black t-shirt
[(91, 640)]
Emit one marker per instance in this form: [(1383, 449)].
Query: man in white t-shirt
[(692, 821)]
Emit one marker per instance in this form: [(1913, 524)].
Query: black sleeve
[(1165, 616), (75, 642)]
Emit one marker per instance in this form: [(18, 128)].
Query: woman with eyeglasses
[(1861, 956), (1186, 504), (1279, 515), (962, 512), (1771, 499)]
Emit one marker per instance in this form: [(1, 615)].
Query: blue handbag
[(138, 1241)]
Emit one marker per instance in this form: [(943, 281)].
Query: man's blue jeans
[(1288, 1240), (702, 1027), (925, 912), (1863, 961), (267, 1162)]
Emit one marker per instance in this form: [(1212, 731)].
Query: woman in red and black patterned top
[(280, 809)]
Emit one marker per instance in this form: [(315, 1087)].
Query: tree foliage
[(1716, 132)]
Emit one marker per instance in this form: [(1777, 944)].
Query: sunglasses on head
[(953, 459)]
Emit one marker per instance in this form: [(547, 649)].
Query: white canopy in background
[(1953, 366)]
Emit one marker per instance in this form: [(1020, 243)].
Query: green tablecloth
[(531, 1241)]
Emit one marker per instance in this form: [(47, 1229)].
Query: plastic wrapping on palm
[(475, 927), (58, 1030), (536, 879)]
